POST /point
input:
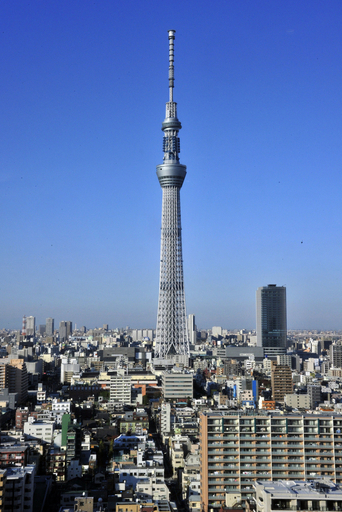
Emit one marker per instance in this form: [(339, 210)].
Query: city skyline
[(258, 89)]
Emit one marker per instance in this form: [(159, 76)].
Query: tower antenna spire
[(171, 61), (172, 333)]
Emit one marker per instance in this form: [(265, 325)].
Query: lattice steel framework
[(172, 333)]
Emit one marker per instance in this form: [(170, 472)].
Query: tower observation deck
[(172, 333)]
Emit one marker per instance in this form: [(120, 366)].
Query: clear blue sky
[(83, 90)]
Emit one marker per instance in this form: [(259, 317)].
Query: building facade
[(176, 385), (121, 387), (237, 450), (281, 381), (50, 326), (17, 379), (30, 326), (297, 496)]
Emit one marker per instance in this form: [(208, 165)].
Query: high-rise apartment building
[(17, 379), (121, 387), (172, 332), (335, 352), (271, 320), (50, 326), (237, 450), (192, 329), (30, 326), (314, 392), (281, 381)]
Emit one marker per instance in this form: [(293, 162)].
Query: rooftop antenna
[(171, 60)]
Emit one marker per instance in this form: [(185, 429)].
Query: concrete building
[(71, 438), (177, 385), (237, 450), (21, 416), (50, 326), (3, 478), (3, 367), (84, 504), (301, 401), (17, 379), (19, 488), (39, 430), (314, 392), (41, 393), (61, 406), (190, 474), (216, 331), (120, 387), (271, 319), (281, 382), (13, 455), (56, 464), (30, 326), (68, 370), (165, 418), (192, 329), (335, 352), (284, 360), (297, 495)]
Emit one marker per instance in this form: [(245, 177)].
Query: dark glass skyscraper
[(271, 319)]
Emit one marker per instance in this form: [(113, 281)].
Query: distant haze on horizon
[(84, 87)]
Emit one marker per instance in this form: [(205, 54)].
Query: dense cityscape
[(91, 420), (175, 418)]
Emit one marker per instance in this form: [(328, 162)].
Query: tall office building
[(65, 330), (50, 326), (335, 352), (69, 328), (62, 331), (172, 332), (271, 319), (30, 326)]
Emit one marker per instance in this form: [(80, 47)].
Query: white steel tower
[(172, 332)]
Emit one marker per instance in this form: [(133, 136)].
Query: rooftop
[(297, 489)]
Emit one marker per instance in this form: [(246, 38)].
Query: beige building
[(297, 401), (121, 387), (237, 450), (84, 504), (3, 473), (17, 379), (177, 384)]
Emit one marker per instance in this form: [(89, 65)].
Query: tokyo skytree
[(172, 333)]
